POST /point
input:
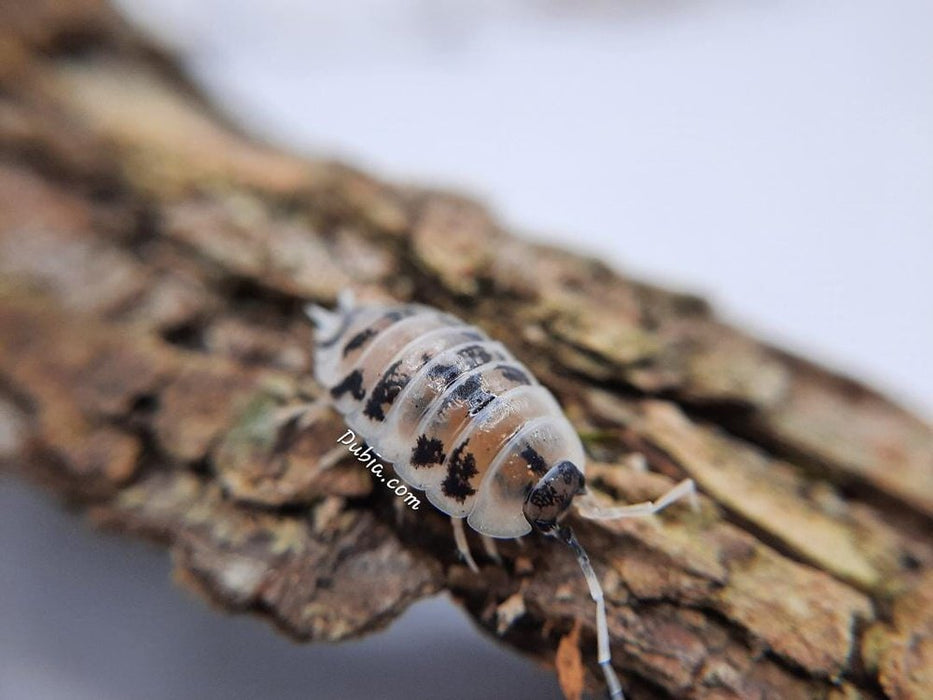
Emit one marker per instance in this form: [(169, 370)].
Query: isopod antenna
[(565, 534)]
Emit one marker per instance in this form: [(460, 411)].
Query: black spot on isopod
[(446, 372), (386, 391), (460, 469), (514, 374), (475, 355), (462, 392), (352, 383), (535, 461), (427, 451), (468, 358), (359, 340), (481, 402), (398, 314), (473, 385), (472, 393)]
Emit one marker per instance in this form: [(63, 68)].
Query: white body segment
[(455, 412)]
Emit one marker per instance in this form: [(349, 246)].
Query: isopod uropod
[(467, 423)]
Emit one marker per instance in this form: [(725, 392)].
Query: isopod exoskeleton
[(466, 422)]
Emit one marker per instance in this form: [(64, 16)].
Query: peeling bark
[(154, 264)]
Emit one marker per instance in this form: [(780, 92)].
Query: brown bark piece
[(154, 262), (901, 652)]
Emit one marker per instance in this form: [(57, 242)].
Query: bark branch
[(154, 262)]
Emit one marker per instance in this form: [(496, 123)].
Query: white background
[(777, 158)]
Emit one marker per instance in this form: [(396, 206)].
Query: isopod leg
[(565, 534), (489, 544), (305, 413), (462, 545), (588, 508), (332, 456)]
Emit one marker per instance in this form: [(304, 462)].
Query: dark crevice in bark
[(742, 426)]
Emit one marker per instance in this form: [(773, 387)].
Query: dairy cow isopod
[(464, 421)]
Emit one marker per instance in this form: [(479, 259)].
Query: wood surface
[(154, 261)]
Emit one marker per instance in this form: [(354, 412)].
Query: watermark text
[(372, 461)]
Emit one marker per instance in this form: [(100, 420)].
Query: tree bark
[(154, 264)]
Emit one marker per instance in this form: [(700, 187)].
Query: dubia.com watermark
[(372, 462)]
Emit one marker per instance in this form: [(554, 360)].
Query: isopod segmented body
[(456, 413), (465, 421)]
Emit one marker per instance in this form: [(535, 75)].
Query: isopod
[(464, 421)]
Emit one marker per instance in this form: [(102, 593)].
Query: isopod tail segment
[(331, 324), (550, 498)]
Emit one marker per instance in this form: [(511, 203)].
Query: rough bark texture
[(154, 263)]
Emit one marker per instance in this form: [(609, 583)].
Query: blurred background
[(775, 158)]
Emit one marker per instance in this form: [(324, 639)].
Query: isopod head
[(548, 499)]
